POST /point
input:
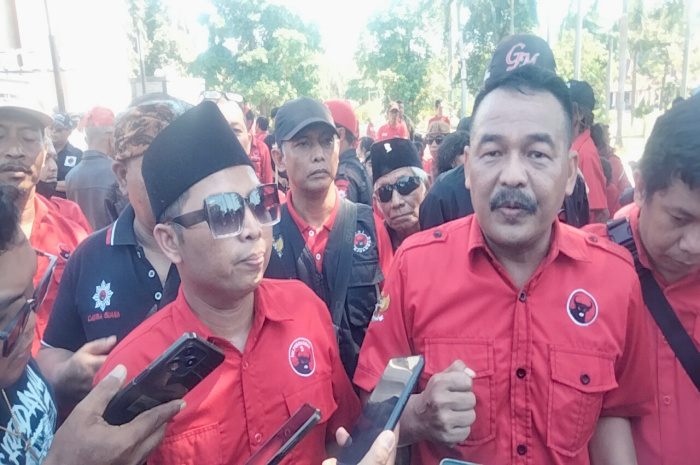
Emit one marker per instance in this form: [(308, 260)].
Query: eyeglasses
[(429, 140), (225, 212), (12, 334), (230, 96), (404, 186)]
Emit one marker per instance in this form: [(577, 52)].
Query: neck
[(521, 261), (60, 147), (26, 206), (314, 208), (144, 236), (232, 323), (344, 146), (404, 233)]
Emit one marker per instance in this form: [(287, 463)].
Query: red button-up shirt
[(550, 358), (592, 170), (262, 161), (388, 131), (55, 233), (243, 402)]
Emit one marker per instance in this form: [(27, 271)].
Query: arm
[(612, 443)]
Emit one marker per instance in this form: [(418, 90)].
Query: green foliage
[(261, 50)]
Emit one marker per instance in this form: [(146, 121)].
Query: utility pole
[(141, 62), (512, 16), (622, 71), (55, 63), (608, 80), (686, 50), (450, 52), (577, 47), (463, 63)]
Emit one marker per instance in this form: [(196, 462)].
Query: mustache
[(513, 198), (15, 167)]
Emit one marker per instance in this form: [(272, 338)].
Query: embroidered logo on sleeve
[(381, 307), (362, 242)]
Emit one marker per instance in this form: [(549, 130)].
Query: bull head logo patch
[(582, 307)]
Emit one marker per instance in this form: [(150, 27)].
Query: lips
[(319, 173), (15, 169), (255, 259)]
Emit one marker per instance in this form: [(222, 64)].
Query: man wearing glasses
[(215, 224), (23, 148), (437, 130), (68, 155)]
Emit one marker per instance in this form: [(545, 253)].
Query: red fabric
[(592, 170), (242, 402), (669, 435), (342, 185), (72, 211), (316, 239), (371, 132), (573, 374), (619, 175), (262, 162), (444, 119), (388, 132), (613, 196), (55, 233)]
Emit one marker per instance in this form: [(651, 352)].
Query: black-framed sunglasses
[(404, 186), (225, 213), (230, 96), (12, 333), (430, 139)]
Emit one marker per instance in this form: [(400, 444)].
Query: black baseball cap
[(297, 114), (518, 50), (582, 93)]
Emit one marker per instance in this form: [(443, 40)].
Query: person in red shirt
[(23, 148), (665, 224), (530, 355), (262, 124), (437, 130), (394, 127), (600, 133), (438, 114), (588, 160)]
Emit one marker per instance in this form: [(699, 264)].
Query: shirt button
[(585, 379), (158, 296), (520, 373), (593, 239), (522, 449), (258, 438), (245, 365), (151, 274), (437, 233), (523, 296), (311, 232), (318, 256), (138, 254), (667, 400)]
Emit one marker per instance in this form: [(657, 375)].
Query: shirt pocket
[(479, 356), (193, 447), (579, 380)]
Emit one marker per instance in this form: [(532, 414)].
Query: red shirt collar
[(303, 225), (581, 139)]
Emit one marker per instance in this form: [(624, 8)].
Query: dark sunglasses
[(11, 335), (404, 186), (225, 212), (429, 140), (230, 96)]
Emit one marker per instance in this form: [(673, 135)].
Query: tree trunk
[(608, 81), (633, 94), (577, 44), (686, 49), (622, 74)]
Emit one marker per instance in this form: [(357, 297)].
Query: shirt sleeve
[(266, 173), (65, 329), (592, 172), (388, 333), (386, 251), (634, 395)]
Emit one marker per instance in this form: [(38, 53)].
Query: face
[(401, 212), (518, 167), (669, 226), (17, 268), (130, 179), (434, 146), (438, 109), (400, 109), (310, 159), (393, 115), (59, 136), (236, 119), (22, 152), (49, 172), (226, 268)]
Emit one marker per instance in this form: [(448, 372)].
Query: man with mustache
[(331, 244), (23, 147), (531, 356)]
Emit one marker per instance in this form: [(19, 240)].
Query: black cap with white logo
[(519, 50)]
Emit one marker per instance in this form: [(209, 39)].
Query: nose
[(13, 148), (317, 153), (690, 243), (397, 200), (513, 173), (251, 229)]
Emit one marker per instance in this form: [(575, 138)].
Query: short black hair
[(452, 147), (263, 123), (274, 111), (598, 136), (399, 102), (607, 170), (673, 149), (528, 79), (366, 143), (419, 146), (349, 136), (249, 115), (676, 101), (465, 124), (9, 216), (437, 103)]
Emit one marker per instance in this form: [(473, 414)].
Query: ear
[(169, 242), (572, 171), (341, 133), (467, 168), (119, 170), (640, 193), (279, 158)]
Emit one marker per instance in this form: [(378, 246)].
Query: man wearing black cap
[(68, 155), (449, 199), (400, 184), (214, 223), (588, 160), (327, 242)]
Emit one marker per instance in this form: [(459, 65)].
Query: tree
[(260, 50)]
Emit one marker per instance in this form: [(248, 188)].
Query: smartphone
[(288, 436), (455, 462), (384, 407), (172, 375)]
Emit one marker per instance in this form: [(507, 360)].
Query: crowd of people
[(553, 302)]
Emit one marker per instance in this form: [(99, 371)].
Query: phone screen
[(384, 407), (289, 434), (456, 462)]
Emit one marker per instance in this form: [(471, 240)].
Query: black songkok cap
[(297, 114), (197, 144), (391, 154)]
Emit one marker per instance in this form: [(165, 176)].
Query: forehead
[(511, 114), (314, 130), (231, 111), (240, 179), (19, 121)]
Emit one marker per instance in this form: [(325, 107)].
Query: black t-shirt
[(108, 288), (359, 184), (35, 410)]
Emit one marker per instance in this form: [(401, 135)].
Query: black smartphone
[(456, 462), (384, 407), (288, 436), (172, 375)]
